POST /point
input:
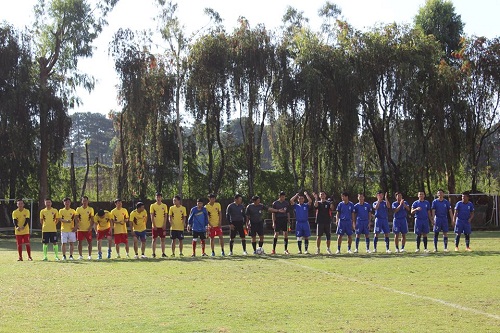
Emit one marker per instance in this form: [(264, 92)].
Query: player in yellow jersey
[(85, 222), (21, 219), (102, 223), (138, 220), (49, 218), (68, 228), (119, 221), (159, 219), (177, 215), (215, 223)]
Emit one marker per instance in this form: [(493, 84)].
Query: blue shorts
[(141, 235), (362, 227), (463, 227), (441, 225), (344, 228), (421, 227), (302, 229), (381, 226), (399, 226)]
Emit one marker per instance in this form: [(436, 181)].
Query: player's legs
[(181, 246), (221, 242), (403, 240), (153, 243), (319, 233), (136, 246), (285, 240), (173, 246), (375, 241)]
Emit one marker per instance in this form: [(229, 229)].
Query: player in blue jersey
[(345, 222), (422, 210), (198, 223), (440, 209), (302, 228), (462, 218), (399, 224), (362, 213), (381, 207)]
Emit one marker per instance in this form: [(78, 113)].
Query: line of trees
[(396, 107)]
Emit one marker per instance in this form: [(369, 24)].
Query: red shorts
[(159, 232), (215, 231), (23, 239), (103, 233), (81, 235), (121, 238)]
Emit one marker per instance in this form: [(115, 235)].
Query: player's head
[(158, 197), (465, 196), (301, 199), (118, 203), (47, 202), (20, 203), (67, 202), (101, 212), (238, 198), (139, 206), (212, 197), (199, 203), (361, 197), (344, 196), (398, 196), (282, 195), (322, 195), (440, 193), (177, 200), (421, 195), (85, 201), (256, 199), (380, 195)]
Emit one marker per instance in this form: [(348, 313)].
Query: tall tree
[(64, 31)]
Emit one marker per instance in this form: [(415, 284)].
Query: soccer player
[(235, 215), (21, 219), (119, 220), (302, 228), (399, 222), (362, 212), (324, 209), (102, 222), (159, 219), (255, 223), (178, 215), (138, 220), (198, 223), (345, 222), (85, 222), (281, 221), (464, 213), (422, 210), (440, 209), (68, 234), (381, 207), (49, 218), (214, 211)]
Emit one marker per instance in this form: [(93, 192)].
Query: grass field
[(452, 292)]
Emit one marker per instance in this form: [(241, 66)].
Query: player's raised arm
[(292, 199), (309, 200)]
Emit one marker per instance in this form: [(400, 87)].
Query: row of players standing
[(78, 224), (354, 219)]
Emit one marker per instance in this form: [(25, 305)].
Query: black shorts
[(324, 228), (177, 234), (238, 228), (49, 237), (256, 228), (281, 224), (200, 235)]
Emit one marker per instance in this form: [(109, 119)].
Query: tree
[(438, 18), (64, 32)]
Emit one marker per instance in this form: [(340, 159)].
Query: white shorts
[(68, 237)]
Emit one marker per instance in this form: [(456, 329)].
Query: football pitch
[(410, 292)]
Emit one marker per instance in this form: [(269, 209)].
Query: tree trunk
[(179, 137), (85, 179), (73, 177)]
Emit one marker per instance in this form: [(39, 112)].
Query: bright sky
[(480, 18)]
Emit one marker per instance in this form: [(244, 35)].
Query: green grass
[(453, 292)]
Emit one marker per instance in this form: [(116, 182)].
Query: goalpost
[(26, 200)]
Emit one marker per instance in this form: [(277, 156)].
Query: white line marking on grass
[(404, 293)]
